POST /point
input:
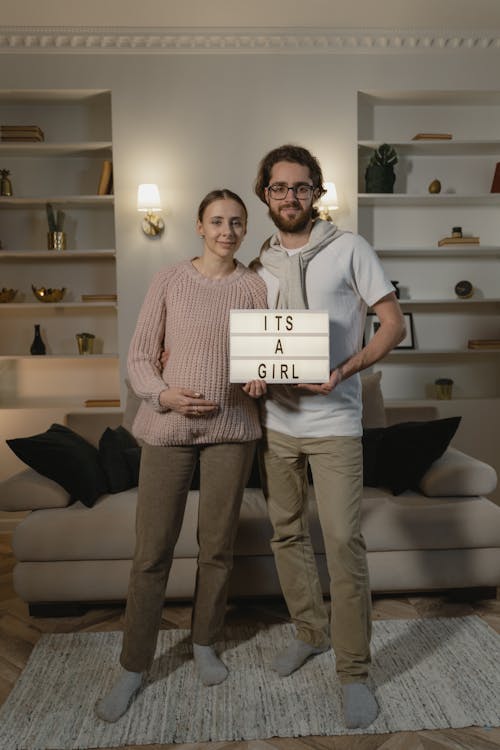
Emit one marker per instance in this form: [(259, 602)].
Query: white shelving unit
[(63, 170), (404, 228)]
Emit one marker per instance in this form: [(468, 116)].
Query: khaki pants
[(337, 469), (164, 481)]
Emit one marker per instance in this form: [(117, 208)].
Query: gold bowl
[(7, 295), (46, 294)]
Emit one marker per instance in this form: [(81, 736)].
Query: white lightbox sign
[(279, 346)]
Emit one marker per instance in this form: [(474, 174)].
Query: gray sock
[(116, 702), (209, 666), (293, 656), (360, 705)]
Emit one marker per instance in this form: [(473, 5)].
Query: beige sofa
[(446, 535)]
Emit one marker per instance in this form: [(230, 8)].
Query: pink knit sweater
[(188, 315)]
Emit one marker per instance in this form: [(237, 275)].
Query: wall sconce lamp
[(328, 202), (148, 201)]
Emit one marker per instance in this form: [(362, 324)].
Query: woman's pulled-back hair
[(219, 195), (295, 155)]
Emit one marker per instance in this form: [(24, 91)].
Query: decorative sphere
[(435, 186)]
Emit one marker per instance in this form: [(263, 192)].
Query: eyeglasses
[(279, 190)]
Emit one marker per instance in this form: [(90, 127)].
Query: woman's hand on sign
[(255, 388)]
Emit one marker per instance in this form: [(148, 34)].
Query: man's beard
[(291, 225)]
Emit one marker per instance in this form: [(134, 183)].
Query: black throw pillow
[(119, 467), (67, 458), (398, 456), (133, 460)]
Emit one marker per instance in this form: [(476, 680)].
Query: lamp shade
[(329, 199), (148, 197)]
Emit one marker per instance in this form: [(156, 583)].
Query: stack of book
[(458, 241), (432, 137), (21, 133), (483, 344), (99, 297), (102, 402)]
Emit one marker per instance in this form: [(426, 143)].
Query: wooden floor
[(19, 633)]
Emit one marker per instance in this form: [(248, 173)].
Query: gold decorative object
[(46, 294), (7, 295), (434, 187), (56, 240), (444, 388), (85, 343)]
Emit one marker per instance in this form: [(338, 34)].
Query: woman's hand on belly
[(187, 402)]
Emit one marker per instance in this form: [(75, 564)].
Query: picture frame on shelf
[(372, 325)]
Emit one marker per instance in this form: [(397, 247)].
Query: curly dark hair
[(217, 195), (295, 155)]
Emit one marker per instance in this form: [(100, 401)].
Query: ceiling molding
[(163, 40)]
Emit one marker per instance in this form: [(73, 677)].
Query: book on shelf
[(21, 133), (105, 185), (483, 344), (432, 137), (458, 241), (99, 297), (102, 402)]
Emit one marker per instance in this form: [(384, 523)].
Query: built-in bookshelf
[(64, 169), (405, 226)]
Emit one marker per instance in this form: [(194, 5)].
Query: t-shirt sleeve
[(369, 276)]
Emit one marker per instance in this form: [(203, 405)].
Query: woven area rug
[(428, 674)]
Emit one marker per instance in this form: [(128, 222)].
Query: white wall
[(191, 122)]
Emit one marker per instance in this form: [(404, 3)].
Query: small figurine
[(5, 183)]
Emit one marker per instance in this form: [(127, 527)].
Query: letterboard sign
[(279, 346)]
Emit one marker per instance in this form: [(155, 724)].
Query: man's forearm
[(389, 335)]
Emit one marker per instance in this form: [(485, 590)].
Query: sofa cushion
[(65, 457), (413, 522), (372, 400), (398, 456), (115, 448), (29, 490), (104, 532), (456, 473)]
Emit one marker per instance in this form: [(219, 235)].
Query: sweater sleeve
[(147, 344), (258, 292)]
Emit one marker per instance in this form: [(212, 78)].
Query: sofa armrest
[(29, 490), (456, 474)]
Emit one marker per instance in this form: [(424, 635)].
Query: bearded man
[(310, 263)]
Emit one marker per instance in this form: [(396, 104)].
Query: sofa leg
[(58, 609)]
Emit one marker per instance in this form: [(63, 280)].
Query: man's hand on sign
[(323, 388)]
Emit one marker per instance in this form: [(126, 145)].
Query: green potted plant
[(379, 174)]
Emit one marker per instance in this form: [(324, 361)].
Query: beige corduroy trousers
[(164, 481), (337, 469)]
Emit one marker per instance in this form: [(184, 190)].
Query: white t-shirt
[(345, 278)]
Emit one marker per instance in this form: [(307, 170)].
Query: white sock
[(209, 666), (360, 705), (293, 656), (116, 702)]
